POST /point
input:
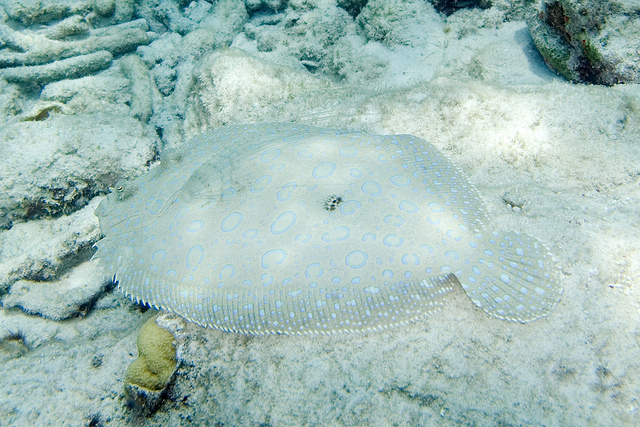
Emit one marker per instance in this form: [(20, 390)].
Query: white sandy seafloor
[(557, 160)]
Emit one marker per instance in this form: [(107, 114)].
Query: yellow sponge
[(156, 360)]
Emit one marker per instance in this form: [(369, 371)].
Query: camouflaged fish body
[(285, 228)]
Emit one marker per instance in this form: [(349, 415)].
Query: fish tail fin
[(516, 279)]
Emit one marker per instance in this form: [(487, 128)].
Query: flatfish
[(289, 229)]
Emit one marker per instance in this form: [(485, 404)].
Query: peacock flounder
[(290, 229)]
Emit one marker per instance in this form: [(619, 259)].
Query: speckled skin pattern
[(290, 229)]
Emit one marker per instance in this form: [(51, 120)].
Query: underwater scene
[(319, 212)]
